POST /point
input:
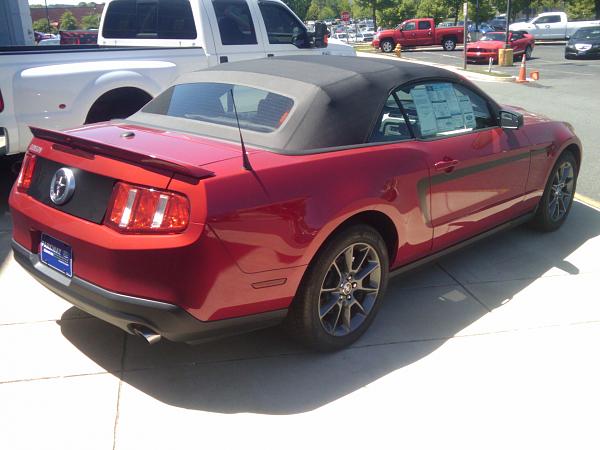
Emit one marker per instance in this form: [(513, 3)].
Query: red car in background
[(281, 190), (489, 44), (418, 33)]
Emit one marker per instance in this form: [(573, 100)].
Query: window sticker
[(442, 109), (425, 112), (466, 108)]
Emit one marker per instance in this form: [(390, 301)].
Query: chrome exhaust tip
[(145, 332)]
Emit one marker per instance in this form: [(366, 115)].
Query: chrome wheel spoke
[(360, 307), (366, 270), (337, 319), (327, 307), (347, 319), (349, 289), (348, 258)]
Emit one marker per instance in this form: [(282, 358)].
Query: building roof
[(337, 99)]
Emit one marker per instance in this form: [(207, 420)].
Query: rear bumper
[(125, 312)]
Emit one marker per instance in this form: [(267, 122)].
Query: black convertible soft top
[(337, 99)]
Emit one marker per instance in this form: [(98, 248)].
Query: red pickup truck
[(418, 32)]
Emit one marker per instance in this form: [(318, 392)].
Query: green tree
[(432, 8), (42, 26), (398, 13), (581, 9), (68, 21), (313, 11), (377, 5), (326, 13), (300, 7), (90, 21)]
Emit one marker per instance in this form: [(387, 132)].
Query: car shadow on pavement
[(264, 372)]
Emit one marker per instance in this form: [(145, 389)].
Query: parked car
[(363, 36), (70, 86), (260, 192), (487, 47), (418, 32), (498, 23), (585, 43), (78, 37), (552, 25), (50, 41)]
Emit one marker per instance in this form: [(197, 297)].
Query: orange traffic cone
[(522, 78)]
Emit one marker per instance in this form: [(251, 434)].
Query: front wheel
[(558, 195), (387, 46), (528, 52), (341, 291), (449, 44)]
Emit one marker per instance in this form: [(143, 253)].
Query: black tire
[(387, 45), (449, 44), (304, 321), (545, 218), (528, 52)]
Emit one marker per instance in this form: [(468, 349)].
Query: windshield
[(257, 110), (499, 37), (588, 33)]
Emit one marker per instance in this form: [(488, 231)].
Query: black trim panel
[(90, 198), (124, 311)]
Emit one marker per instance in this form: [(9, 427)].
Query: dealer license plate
[(56, 254)]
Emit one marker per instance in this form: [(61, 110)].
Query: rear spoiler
[(98, 148)]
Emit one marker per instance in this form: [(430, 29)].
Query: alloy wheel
[(561, 191), (349, 289), (386, 46)]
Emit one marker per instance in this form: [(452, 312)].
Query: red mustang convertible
[(281, 190), (489, 44)]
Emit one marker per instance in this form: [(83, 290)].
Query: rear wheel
[(387, 46), (341, 291), (528, 52), (558, 195), (449, 44)]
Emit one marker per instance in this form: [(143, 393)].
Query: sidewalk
[(493, 347), (473, 76)]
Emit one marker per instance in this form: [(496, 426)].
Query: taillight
[(136, 209), (26, 174)]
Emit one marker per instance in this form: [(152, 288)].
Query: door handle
[(446, 165), (270, 55), (223, 59)]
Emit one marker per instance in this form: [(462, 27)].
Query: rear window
[(257, 110), (149, 19)]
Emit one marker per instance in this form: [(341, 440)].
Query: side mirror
[(300, 38), (320, 35), (567, 37), (511, 120)]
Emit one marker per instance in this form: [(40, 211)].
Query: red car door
[(478, 171), (518, 43), (424, 33), (408, 34)]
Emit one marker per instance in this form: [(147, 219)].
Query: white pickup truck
[(143, 46), (552, 25)]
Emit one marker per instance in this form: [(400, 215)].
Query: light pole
[(507, 23), (47, 16)]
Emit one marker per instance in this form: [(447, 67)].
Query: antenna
[(245, 160)]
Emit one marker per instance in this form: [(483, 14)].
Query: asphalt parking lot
[(494, 347), (568, 90)]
